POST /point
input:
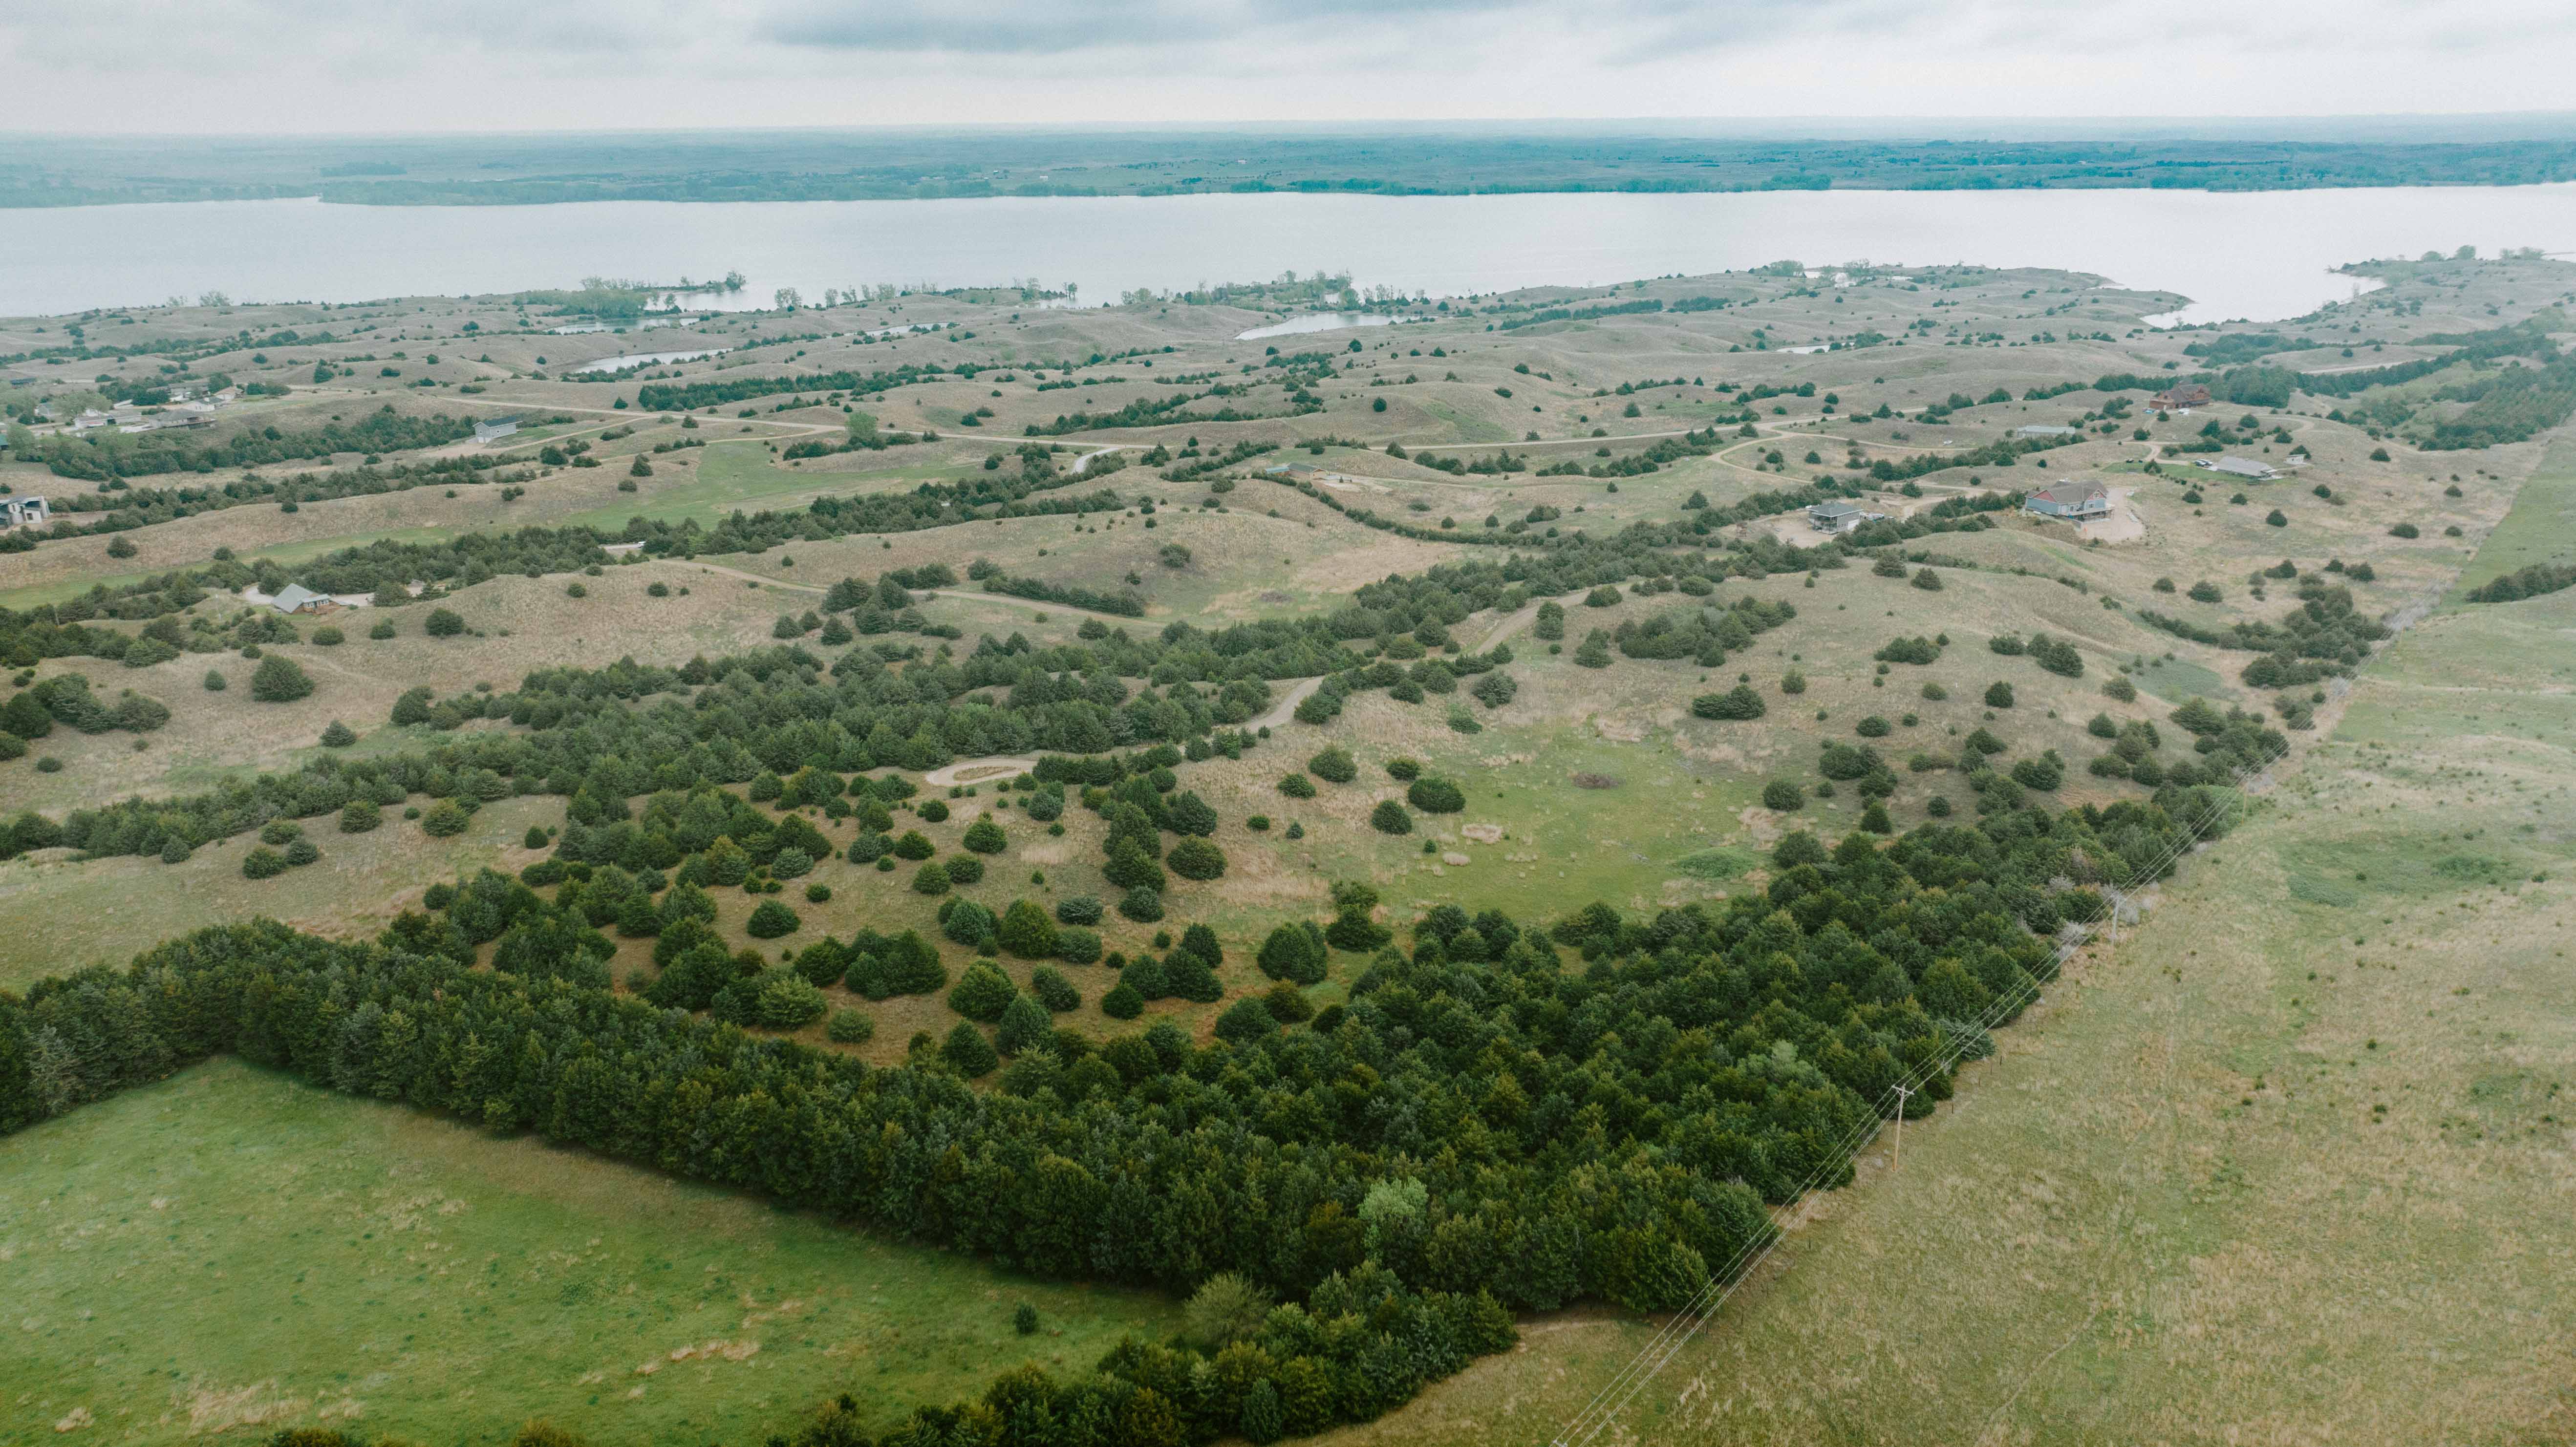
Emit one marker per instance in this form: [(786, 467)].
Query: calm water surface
[(2260, 255)]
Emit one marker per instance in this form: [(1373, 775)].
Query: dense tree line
[(2530, 582), (109, 454)]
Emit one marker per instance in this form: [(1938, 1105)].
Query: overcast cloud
[(329, 66)]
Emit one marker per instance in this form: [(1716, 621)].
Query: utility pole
[(1902, 1095)]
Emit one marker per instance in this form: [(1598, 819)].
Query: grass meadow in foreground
[(230, 1252)]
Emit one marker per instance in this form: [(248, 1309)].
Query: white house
[(494, 430), (25, 512)]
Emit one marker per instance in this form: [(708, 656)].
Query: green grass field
[(231, 1252), (2289, 1165)]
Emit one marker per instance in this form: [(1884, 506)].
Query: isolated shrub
[(1927, 580), (791, 863), (1784, 796), (338, 735), (1406, 770), (1739, 702), (2119, 687), (215, 682), (850, 1027), (932, 810), (1334, 765), (301, 851), (1297, 786), (443, 623), (982, 993), (1873, 727), (2277, 518), (964, 869), (444, 819), (1078, 909), (1141, 904), (913, 845), (1195, 858), (279, 680), (1389, 817), (1999, 695), (1934, 692), (1436, 796), (1077, 946), (930, 879), (360, 815), (263, 863), (1122, 1002), (1793, 682), (771, 921), (1874, 818)]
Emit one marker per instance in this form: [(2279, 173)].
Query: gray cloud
[(315, 65)]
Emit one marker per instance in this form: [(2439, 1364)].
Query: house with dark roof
[(2180, 396), (29, 511)]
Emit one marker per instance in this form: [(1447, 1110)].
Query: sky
[(331, 67)]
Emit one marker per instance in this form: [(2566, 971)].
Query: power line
[(1683, 1325)]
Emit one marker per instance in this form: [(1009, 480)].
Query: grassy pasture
[(231, 1252), (2279, 1169)]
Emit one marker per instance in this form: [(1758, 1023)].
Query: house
[(1839, 517), (24, 512), (2244, 467), (296, 598), (493, 431), (2182, 396), (2070, 502), (2043, 430)]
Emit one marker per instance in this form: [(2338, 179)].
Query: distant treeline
[(858, 167)]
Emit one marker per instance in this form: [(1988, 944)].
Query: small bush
[(850, 1027), (1142, 904), (1297, 786), (930, 879), (1404, 770), (263, 863), (771, 921), (279, 679), (1435, 796), (1078, 909), (444, 819), (1389, 817), (1123, 1002), (1783, 796), (1999, 695)]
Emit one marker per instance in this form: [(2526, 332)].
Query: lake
[(640, 359), (2260, 255)]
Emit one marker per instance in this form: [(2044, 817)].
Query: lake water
[(2261, 255), (1315, 322), (638, 359)]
